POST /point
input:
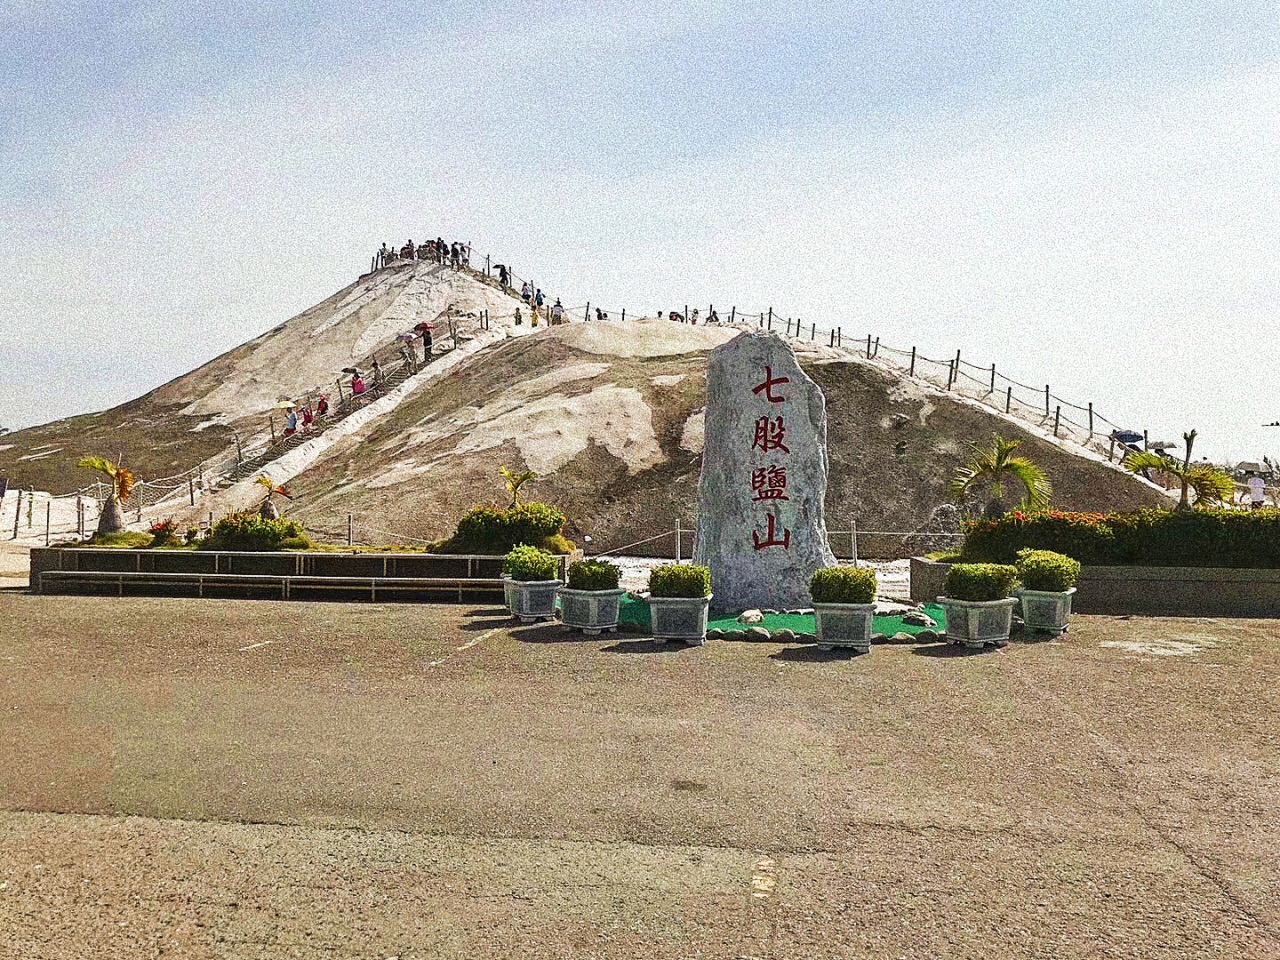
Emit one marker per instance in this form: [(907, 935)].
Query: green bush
[(843, 585), (528, 563), (125, 539), (980, 581), (251, 531), (1157, 538), (297, 543), (557, 544), (1046, 570), (594, 575), (493, 530), (680, 580)]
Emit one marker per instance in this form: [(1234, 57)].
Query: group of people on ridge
[(434, 251)]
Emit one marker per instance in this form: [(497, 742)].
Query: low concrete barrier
[(1148, 591)]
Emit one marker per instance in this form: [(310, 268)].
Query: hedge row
[(1157, 538)]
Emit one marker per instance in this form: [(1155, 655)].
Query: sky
[(1086, 194)]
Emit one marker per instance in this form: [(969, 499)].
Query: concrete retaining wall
[(1148, 591)]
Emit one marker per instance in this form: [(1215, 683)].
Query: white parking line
[(254, 646)]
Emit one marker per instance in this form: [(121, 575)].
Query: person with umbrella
[(425, 329)]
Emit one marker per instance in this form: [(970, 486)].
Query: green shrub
[(297, 543), (557, 544), (680, 580), (528, 563), (251, 531), (164, 533), (1046, 570), (492, 530), (980, 581), (1158, 538), (843, 585), (594, 575), (125, 539), (192, 536)]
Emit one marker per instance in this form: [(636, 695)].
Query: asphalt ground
[(265, 779)]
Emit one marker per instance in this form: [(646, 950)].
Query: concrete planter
[(975, 623), (535, 599), (511, 594), (679, 618), (844, 625), (1046, 610), (591, 611), (1147, 591)]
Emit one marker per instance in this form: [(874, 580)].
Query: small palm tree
[(514, 481), (111, 520), (268, 510), (996, 465), (1209, 484)]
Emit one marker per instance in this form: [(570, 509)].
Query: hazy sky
[(1086, 194)]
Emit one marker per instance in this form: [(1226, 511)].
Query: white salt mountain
[(762, 494)]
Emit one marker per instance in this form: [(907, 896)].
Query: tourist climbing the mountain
[(426, 343), (503, 278), (442, 251), (600, 314), (693, 317), (525, 291), (322, 406), (290, 422), (557, 313), (712, 316), (538, 299), (357, 384), (466, 254), (308, 417), (519, 320), (455, 254)]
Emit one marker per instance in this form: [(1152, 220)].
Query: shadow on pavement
[(809, 653), (945, 650), (645, 646)]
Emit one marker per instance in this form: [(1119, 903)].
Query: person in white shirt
[(1257, 491)]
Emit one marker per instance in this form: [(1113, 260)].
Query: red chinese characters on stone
[(770, 381), (771, 539), (769, 483), (770, 435)]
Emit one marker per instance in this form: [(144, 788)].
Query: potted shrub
[(533, 584), (978, 607), (1048, 583), (843, 605), (679, 598), (592, 600)]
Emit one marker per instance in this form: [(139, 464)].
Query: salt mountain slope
[(195, 417), (610, 417)]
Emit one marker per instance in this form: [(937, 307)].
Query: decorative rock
[(734, 635), (806, 638), (928, 636), (887, 608), (801, 612), (879, 638), (918, 618), (784, 636), (902, 638), (761, 523), (770, 613), (757, 633), (715, 634), (751, 616)]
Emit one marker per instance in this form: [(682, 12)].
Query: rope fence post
[(350, 526), (868, 346), (678, 532), (912, 372), (624, 314), (48, 514), (993, 379), (80, 517), (1046, 399), (17, 514), (733, 313), (1057, 419), (1091, 419), (272, 420), (586, 311), (853, 540), (191, 490), (813, 330), (1008, 399), (770, 327)]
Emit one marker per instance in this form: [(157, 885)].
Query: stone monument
[(761, 525)]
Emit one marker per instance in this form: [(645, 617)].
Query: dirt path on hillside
[(426, 783)]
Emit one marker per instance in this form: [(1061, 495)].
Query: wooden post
[(486, 264), (17, 514), (586, 313), (1146, 441), (191, 490), (876, 352), (853, 540), (1046, 399), (1008, 399), (955, 371), (80, 517), (813, 330), (624, 314), (993, 379), (350, 526), (272, 420), (951, 373), (1091, 419), (677, 540), (1111, 448), (733, 313), (868, 346), (833, 338), (770, 318), (1057, 419), (912, 372)]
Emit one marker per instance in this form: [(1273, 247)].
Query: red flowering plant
[(164, 533)]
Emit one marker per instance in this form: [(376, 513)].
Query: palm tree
[(111, 520), (1210, 484), (268, 510), (995, 466), (514, 481)]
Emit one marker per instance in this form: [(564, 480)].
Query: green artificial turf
[(637, 612)]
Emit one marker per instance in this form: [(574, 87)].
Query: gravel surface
[(238, 779)]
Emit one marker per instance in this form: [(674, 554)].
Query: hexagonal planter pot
[(591, 611), (535, 599), (1046, 611), (679, 618), (510, 593), (844, 625), (975, 623)]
